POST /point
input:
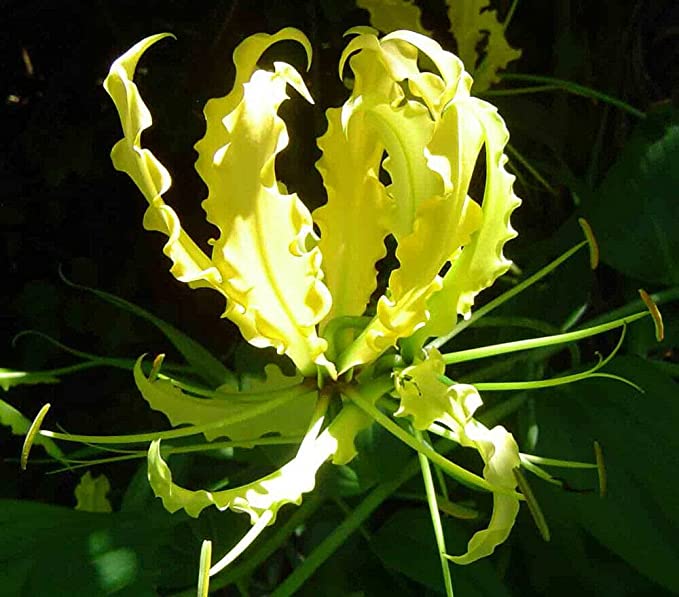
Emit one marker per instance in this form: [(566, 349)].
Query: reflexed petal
[(259, 262), (190, 264), (482, 261), (273, 283), (280, 406), (427, 399), (268, 494)]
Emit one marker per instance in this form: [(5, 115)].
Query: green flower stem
[(168, 450), (520, 90), (342, 532), (265, 549), (514, 153), (510, 14), (507, 347), (530, 323), (435, 516), (555, 462), (511, 386), (346, 510), (454, 470), (172, 434), (659, 298), (350, 524), (505, 296), (575, 89)]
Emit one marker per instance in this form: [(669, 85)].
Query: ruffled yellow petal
[(482, 261), (265, 496), (273, 283), (259, 262), (432, 145), (353, 223), (190, 264), (470, 22), (276, 405), (426, 399)]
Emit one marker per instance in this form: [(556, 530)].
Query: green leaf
[(405, 543), (634, 212), (48, 550), (211, 369), (638, 436), (572, 553)]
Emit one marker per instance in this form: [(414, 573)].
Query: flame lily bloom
[(308, 296)]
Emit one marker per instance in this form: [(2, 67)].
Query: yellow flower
[(308, 297)]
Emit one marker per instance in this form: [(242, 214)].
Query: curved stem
[(514, 153), (505, 296), (435, 516), (454, 470), (244, 543), (506, 347), (575, 89)]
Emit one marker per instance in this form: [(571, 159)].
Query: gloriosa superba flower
[(309, 296)]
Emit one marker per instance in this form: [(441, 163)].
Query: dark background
[(63, 205)]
